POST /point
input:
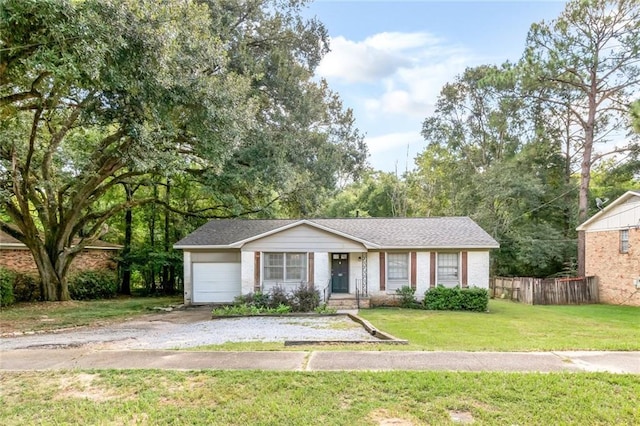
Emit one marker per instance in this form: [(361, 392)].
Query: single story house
[(15, 256), (612, 243), (372, 256)]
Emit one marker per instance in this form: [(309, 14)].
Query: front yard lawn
[(328, 398), (53, 315), (512, 326)]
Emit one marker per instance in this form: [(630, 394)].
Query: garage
[(216, 282)]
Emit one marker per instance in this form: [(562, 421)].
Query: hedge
[(88, 285), (443, 298)]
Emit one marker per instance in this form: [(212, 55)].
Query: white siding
[(247, 272), (478, 269), (623, 216), (304, 238), (188, 282), (373, 272), (423, 259), (321, 270), (355, 270)]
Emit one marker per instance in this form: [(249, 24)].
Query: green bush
[(89, 285), (442, 298), (258, 299), (304, 299), (278, 296), (26, 287), (407, 297), (7, 279), (246, 309)]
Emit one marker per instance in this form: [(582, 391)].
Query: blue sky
[(389, 59)]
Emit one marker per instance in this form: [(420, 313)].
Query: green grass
[(514, 327), (52, 315), (328, 398)]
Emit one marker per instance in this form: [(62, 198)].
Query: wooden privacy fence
[(547, 291)]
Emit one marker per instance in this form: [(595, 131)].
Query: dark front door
[(340, 273)]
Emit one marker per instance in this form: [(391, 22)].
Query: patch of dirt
[(463, 417), (81, 386), (383, 418), (180, 316)]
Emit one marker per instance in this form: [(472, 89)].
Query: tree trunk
[(167, 285), (585, 178), (152, 239), (126, 250), (53, 275)]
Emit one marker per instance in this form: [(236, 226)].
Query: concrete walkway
[(62, 359)]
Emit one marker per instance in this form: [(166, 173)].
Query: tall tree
[(216, 96), (587, 62), (491, 155), (93, 94)]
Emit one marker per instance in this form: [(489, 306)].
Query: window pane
[(398, 266), (448, 268), (273, 266), (624, 241), (296, 267)]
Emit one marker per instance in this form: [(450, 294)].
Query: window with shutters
[(448, 269), (285, 267), (397, 270)]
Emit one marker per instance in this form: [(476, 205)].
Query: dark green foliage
[(276, 301), (89, 285), (407, 297), (6, 287), (278, 296), (18, 287), (244, 309), (26, 287), (304, 299), (257, 299), (443, 298)]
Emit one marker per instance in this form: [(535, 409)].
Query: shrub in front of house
[(257, 299), (245, 309), (407, 296), (304, 299), (18, 287), (277, 301), (278, 296), (26, 287), (443, 298), (89, 285), (6, 287)]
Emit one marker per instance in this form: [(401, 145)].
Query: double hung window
[(448, 269), (285, 267)]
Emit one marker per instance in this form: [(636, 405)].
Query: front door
[(340, 273)]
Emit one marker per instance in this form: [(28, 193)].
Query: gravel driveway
[(193, 327)]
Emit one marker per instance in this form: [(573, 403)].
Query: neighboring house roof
[(624, 198), (431, 232), (8, 242)]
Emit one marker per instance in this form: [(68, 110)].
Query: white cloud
[(392, 141), (404, 71), (358, 61), (394, 151)]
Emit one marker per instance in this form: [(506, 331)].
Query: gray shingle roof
[(430, 232)]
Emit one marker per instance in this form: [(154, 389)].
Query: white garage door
[(216, 282)]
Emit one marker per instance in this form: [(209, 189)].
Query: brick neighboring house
[(15, 256), (613, 250)]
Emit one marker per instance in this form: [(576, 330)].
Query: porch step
[(347, 302)]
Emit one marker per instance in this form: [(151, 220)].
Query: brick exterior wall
[(21, 260), (615, 270)]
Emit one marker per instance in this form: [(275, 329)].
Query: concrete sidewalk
[(59, 359)]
